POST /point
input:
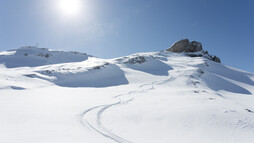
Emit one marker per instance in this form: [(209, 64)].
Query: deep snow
[(51, 96)]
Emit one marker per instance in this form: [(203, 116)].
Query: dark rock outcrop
[(216, 59), (139, 59), (195, 46), (185, 46), (190, 49)]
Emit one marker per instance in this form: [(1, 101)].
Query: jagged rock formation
[(195, 46), (185, 46), (192, 49)]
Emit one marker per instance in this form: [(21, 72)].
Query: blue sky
[(113, 28)]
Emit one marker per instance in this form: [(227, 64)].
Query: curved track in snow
[(95, 113)]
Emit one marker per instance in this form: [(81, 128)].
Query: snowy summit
[(182, 94)]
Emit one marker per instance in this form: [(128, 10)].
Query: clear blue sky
[(112, 28)]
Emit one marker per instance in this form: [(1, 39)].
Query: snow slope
[(54, 96), (32, 56)]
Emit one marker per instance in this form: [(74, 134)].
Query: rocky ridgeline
[(193, 49)]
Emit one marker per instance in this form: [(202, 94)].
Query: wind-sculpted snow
[(225, 78), (216, 82), (147, 63), (90, 73), (231, 73), (108, 75), (33, 56), (152, 66)]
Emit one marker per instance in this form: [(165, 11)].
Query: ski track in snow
[(97, 115)]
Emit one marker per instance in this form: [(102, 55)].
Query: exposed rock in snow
[(216, 59), (180, 46), (185, 46), (138, 59), (195, 46), (192, 49)]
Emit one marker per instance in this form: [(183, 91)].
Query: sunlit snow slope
[(49, 96)]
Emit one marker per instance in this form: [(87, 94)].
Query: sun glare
[(70, 7)]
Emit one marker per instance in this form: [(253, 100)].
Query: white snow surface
[(51, 96)]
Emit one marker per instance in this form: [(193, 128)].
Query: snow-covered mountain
[(49, 96), (33, 56)]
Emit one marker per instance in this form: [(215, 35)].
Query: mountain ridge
[(144, 97)]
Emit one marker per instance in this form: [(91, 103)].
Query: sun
[(69, 7)]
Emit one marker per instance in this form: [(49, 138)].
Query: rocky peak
[(192, 49), (185, 46)]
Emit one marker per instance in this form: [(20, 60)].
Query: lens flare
[(70, 7)]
